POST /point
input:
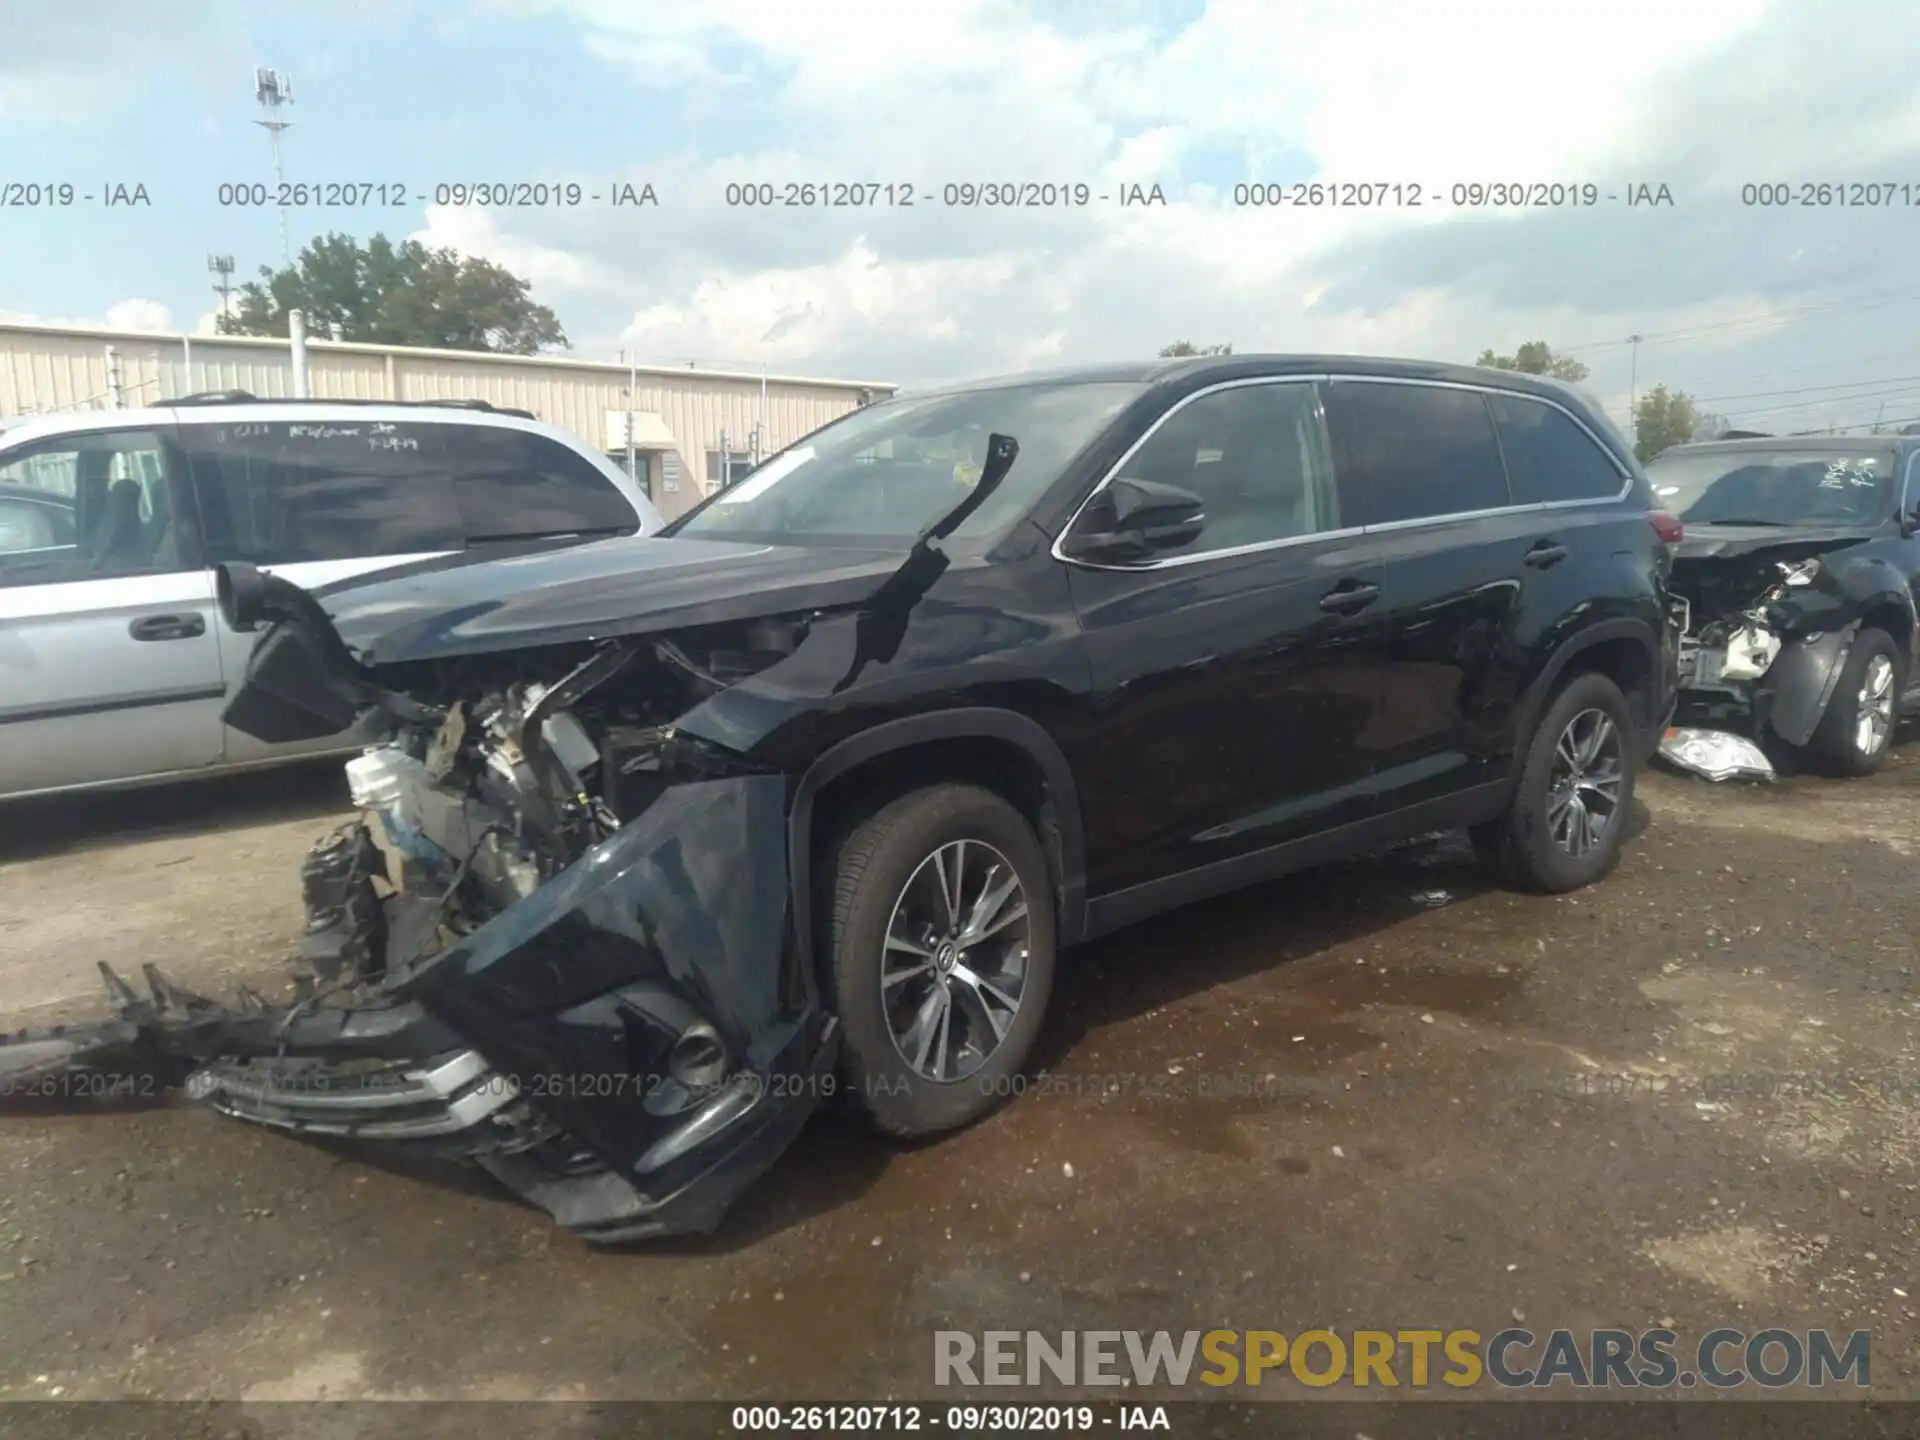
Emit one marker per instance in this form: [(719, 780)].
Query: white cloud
[(1702, 95), (133, 313), (139, 314)]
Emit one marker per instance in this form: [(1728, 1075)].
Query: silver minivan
[(114, 662)]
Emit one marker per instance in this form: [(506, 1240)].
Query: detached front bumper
[(628, 1048)]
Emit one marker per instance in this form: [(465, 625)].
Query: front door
[(110, 667), (1234, 675)]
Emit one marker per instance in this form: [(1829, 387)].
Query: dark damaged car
[(1795, 586), (673, 838)]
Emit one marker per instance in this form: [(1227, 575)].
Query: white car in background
[(115, 665)]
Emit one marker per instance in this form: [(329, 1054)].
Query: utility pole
[(274, 89), (632, 358), (221, 268), (1633, 391)]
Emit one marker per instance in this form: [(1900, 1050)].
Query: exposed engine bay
[(1764, 630), (543, 869)]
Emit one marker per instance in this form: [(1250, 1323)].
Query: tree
[(1536, 357), (387, 294), (1180, 349), (1664, 417), (1709, 426)]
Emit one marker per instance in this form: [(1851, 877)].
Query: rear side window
[(1548, 456), (1412, 452), (511, 485), (282, 492)]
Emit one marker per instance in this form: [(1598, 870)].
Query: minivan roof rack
[(247, 397)]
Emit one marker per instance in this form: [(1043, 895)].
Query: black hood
[(1704, 541), (482, 601)]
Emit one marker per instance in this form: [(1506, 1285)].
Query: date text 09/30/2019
[(960, 1419)]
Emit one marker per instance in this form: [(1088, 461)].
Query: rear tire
[(1853, 737), (939, 1004), (1569, 810)]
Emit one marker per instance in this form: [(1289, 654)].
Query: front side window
[(512, 485), (283, 492), (1550, 458), (888, 471), (97, 506), (1841, 485), (1254, 455), (1412, 452)]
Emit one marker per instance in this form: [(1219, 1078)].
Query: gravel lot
[(1478, 1106)]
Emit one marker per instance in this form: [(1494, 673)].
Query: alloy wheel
[(955, 967), (1583, 788), (1873, 712)]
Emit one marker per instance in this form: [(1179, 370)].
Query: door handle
[(1546, 555), (1349, 597), (167, 627)]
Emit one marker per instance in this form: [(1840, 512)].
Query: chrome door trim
[(1288, 541)]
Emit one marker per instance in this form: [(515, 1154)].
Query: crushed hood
[(1705, 542), (481, 601)]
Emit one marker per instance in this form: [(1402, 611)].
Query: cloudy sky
[(1782, 317)]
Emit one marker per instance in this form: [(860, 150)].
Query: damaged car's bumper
[(621, 1048)]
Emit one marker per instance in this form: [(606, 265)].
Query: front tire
[(1569, 810), (941, 956), (1853, 737)]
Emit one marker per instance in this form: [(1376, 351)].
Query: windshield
[(1776, 487), (889, 471)]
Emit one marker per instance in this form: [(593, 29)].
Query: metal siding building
[(680, 416)]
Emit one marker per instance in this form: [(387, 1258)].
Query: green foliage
[(1663, 418), (1180, 349), (1536, 357), (387, 294)]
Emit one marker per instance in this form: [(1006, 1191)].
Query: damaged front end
[(554, 944), (1765, 628)]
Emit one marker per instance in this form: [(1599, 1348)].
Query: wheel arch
[(963, 743), (1624, 650)]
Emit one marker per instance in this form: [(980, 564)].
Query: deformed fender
[(964, 722), (673, 929), (1792, 696)]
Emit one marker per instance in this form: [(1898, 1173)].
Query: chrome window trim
[(1347, 532)]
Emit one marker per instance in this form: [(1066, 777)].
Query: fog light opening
[(698, 1059)]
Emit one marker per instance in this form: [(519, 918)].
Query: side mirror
[(1909, 522), (1131, 519)]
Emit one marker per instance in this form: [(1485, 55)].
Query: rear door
[(1419, 467), (1580, 544), (318, 501), (109, 664), (1235, 679)]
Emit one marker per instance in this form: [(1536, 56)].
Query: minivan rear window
[(514, 485), (283, 492)]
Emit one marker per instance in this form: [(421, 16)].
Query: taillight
[(1667, 526)]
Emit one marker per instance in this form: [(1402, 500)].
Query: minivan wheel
[(1569, 808), (1853, 737), (941, 957)]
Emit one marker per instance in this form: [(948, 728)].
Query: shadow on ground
[(89, 820)]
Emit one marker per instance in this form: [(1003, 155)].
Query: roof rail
[(246, 397)]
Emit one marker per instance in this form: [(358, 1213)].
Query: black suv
[(679, 835), (1796, 584)]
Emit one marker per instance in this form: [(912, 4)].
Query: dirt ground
[(1477, 1107)]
